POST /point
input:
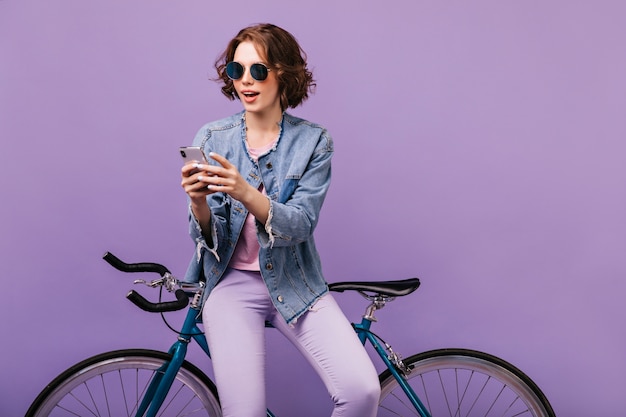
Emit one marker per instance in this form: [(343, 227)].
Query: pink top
[(246, 255)]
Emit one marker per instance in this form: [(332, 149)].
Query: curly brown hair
[(283, 55)]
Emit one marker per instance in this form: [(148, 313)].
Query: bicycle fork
[(392, 360), (164, 376), (162, 381)]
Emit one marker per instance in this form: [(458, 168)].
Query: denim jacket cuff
[(199, 238), (266, 233)]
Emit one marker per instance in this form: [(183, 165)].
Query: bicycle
[(140, 382)]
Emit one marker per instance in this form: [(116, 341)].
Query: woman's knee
[(369, 396), (361, 393), (370, 390)]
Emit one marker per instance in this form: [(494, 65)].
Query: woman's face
[(260, 97)]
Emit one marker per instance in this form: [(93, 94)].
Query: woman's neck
[(262, 129)]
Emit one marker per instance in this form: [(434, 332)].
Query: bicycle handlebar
[(120, 265), (182, 300)]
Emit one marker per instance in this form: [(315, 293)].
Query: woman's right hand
[(197, 190)]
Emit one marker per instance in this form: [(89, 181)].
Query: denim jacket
[(296, 176)]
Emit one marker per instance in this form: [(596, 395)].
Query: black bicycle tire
[(387, 378), (107, 356)]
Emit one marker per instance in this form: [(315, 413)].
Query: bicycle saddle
[(390, 288)]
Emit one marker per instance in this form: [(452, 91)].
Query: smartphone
[(193, 153)]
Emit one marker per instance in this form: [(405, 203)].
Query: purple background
[(479, 146)]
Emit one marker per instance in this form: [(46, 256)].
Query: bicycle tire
[(463, 383), (113, 383)]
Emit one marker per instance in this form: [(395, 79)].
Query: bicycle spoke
[(119, 375), (106, 396), (95, 406), (405, 403), (496, 399), (83, 404), (516, 399), (182, 412), (140, 394), (69, 411), (471, 407), (171, 401), (425, 392), (443, 390), (466, 387)]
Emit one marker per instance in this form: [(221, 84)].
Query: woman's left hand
[(225, 178)]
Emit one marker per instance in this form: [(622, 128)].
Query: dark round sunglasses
[(235, 71)]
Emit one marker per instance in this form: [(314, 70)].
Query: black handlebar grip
[(120, 265), (181, 302)]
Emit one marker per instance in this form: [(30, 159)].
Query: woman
[(253, 210)]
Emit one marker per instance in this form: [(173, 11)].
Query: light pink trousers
[(234, 318)]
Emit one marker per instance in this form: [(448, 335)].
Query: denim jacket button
[(280, 299), (269, 267), (269, 165)]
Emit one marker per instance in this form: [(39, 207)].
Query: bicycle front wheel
[(114, 383), (463, 383)]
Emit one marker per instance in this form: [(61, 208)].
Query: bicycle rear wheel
[(113, 384), (463, 383)]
